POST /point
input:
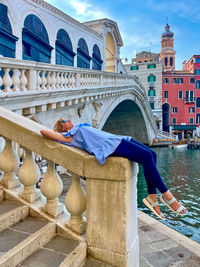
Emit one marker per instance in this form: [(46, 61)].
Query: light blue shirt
[(94, 141)]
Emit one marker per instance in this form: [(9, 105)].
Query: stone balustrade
[(20, 76), (110, 202)]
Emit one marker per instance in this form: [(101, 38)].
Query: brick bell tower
[(167, 53)]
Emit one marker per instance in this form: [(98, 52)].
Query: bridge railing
[(20, 76), (111, 198)]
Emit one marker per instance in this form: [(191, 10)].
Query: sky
[(141, 22)]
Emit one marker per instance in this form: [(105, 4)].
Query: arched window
[(96, 58), (83, 58), (151, 78), (198, 84), (171, 61), (198, 102), (198, 118), (35, 40), (166, 61), (7, 40), (151, 92), (64, 51)]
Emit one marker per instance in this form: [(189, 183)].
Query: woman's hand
[(56, 136)]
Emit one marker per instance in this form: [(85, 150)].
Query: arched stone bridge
[(109, 101)]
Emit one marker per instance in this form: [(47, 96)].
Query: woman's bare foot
[(175, 205), (153, 197)]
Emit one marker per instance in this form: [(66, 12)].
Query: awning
[(184, 127)]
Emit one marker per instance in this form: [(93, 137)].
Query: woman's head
[(63, 125)]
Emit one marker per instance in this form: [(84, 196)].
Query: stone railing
[(21, 76), (111, 198)]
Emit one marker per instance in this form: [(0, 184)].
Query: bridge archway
[(166, 117), (127, 119), (110, 53)]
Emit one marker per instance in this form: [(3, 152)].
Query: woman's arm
[(56, 136)]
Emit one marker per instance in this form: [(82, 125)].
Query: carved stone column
[(51, 187), (9, 163), (29, 174), (75, 203)]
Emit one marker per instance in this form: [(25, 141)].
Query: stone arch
[(126, 105), (110, 53), (83, 57), (96, 58), (166, 117)]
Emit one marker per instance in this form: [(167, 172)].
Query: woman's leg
[(143, 156)]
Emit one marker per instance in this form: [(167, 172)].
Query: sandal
[(151, 206), (169, 202)]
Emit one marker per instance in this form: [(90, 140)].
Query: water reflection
[(180, 169)]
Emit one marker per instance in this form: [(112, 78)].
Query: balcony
[(151, 98), (151, 84)]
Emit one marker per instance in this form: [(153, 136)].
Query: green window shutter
[(151, 66), (134, 68)]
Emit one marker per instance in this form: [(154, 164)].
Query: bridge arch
[(126, 116), (110, 53)]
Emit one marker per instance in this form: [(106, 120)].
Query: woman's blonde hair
[(58, 125)]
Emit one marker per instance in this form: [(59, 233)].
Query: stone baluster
[(58, 80), (16, 80), (81, 80), (65, 80), (29, 175), (51, 187), (73, 80), (43, 80), (9, 163), (53, 77), (75, 203), (38, 80), (23, 81), (62, 80), (7, 81), (49, 80), (69, 80)]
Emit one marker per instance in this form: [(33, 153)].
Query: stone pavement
[(160, 246)]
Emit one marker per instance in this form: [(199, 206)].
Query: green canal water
[(180, 169)]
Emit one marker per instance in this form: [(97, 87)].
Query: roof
[(184, 127)]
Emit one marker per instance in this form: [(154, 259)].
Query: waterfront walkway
[(160, 246)]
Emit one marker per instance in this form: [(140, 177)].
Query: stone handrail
[(21, 76), (111, 199)]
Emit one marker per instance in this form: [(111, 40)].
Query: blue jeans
[(136, 151)]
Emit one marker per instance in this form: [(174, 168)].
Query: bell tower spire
[(167, 53)]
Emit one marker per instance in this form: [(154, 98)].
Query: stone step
[(58, 252), (23, 238), (95, 263), (11, 213)]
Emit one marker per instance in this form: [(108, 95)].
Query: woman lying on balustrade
[(103, 144)]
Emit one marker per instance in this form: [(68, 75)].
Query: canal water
[(180, 170)]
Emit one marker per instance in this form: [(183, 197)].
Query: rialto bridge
[(109, 101)]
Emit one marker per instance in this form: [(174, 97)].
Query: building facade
[(37, 31), (149, 72)]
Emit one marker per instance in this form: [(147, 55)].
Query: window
[(180, 94), (189, 96), (171, 61), (134, 68), (191, 121), (152, 105), (151, 92), (166, 94), (151, 78), (96, 58), (197, 71), (173, 121), (191, 80), (198, 102), (151, 66), (198, 118), (165, 80), (191, 109), (198, 84), (166, 61), (175, 80), (197, 60), (174, 109), (180, 80)]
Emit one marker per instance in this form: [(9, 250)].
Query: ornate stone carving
[(80, 110)]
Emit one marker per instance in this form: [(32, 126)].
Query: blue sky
[(142, 22)]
